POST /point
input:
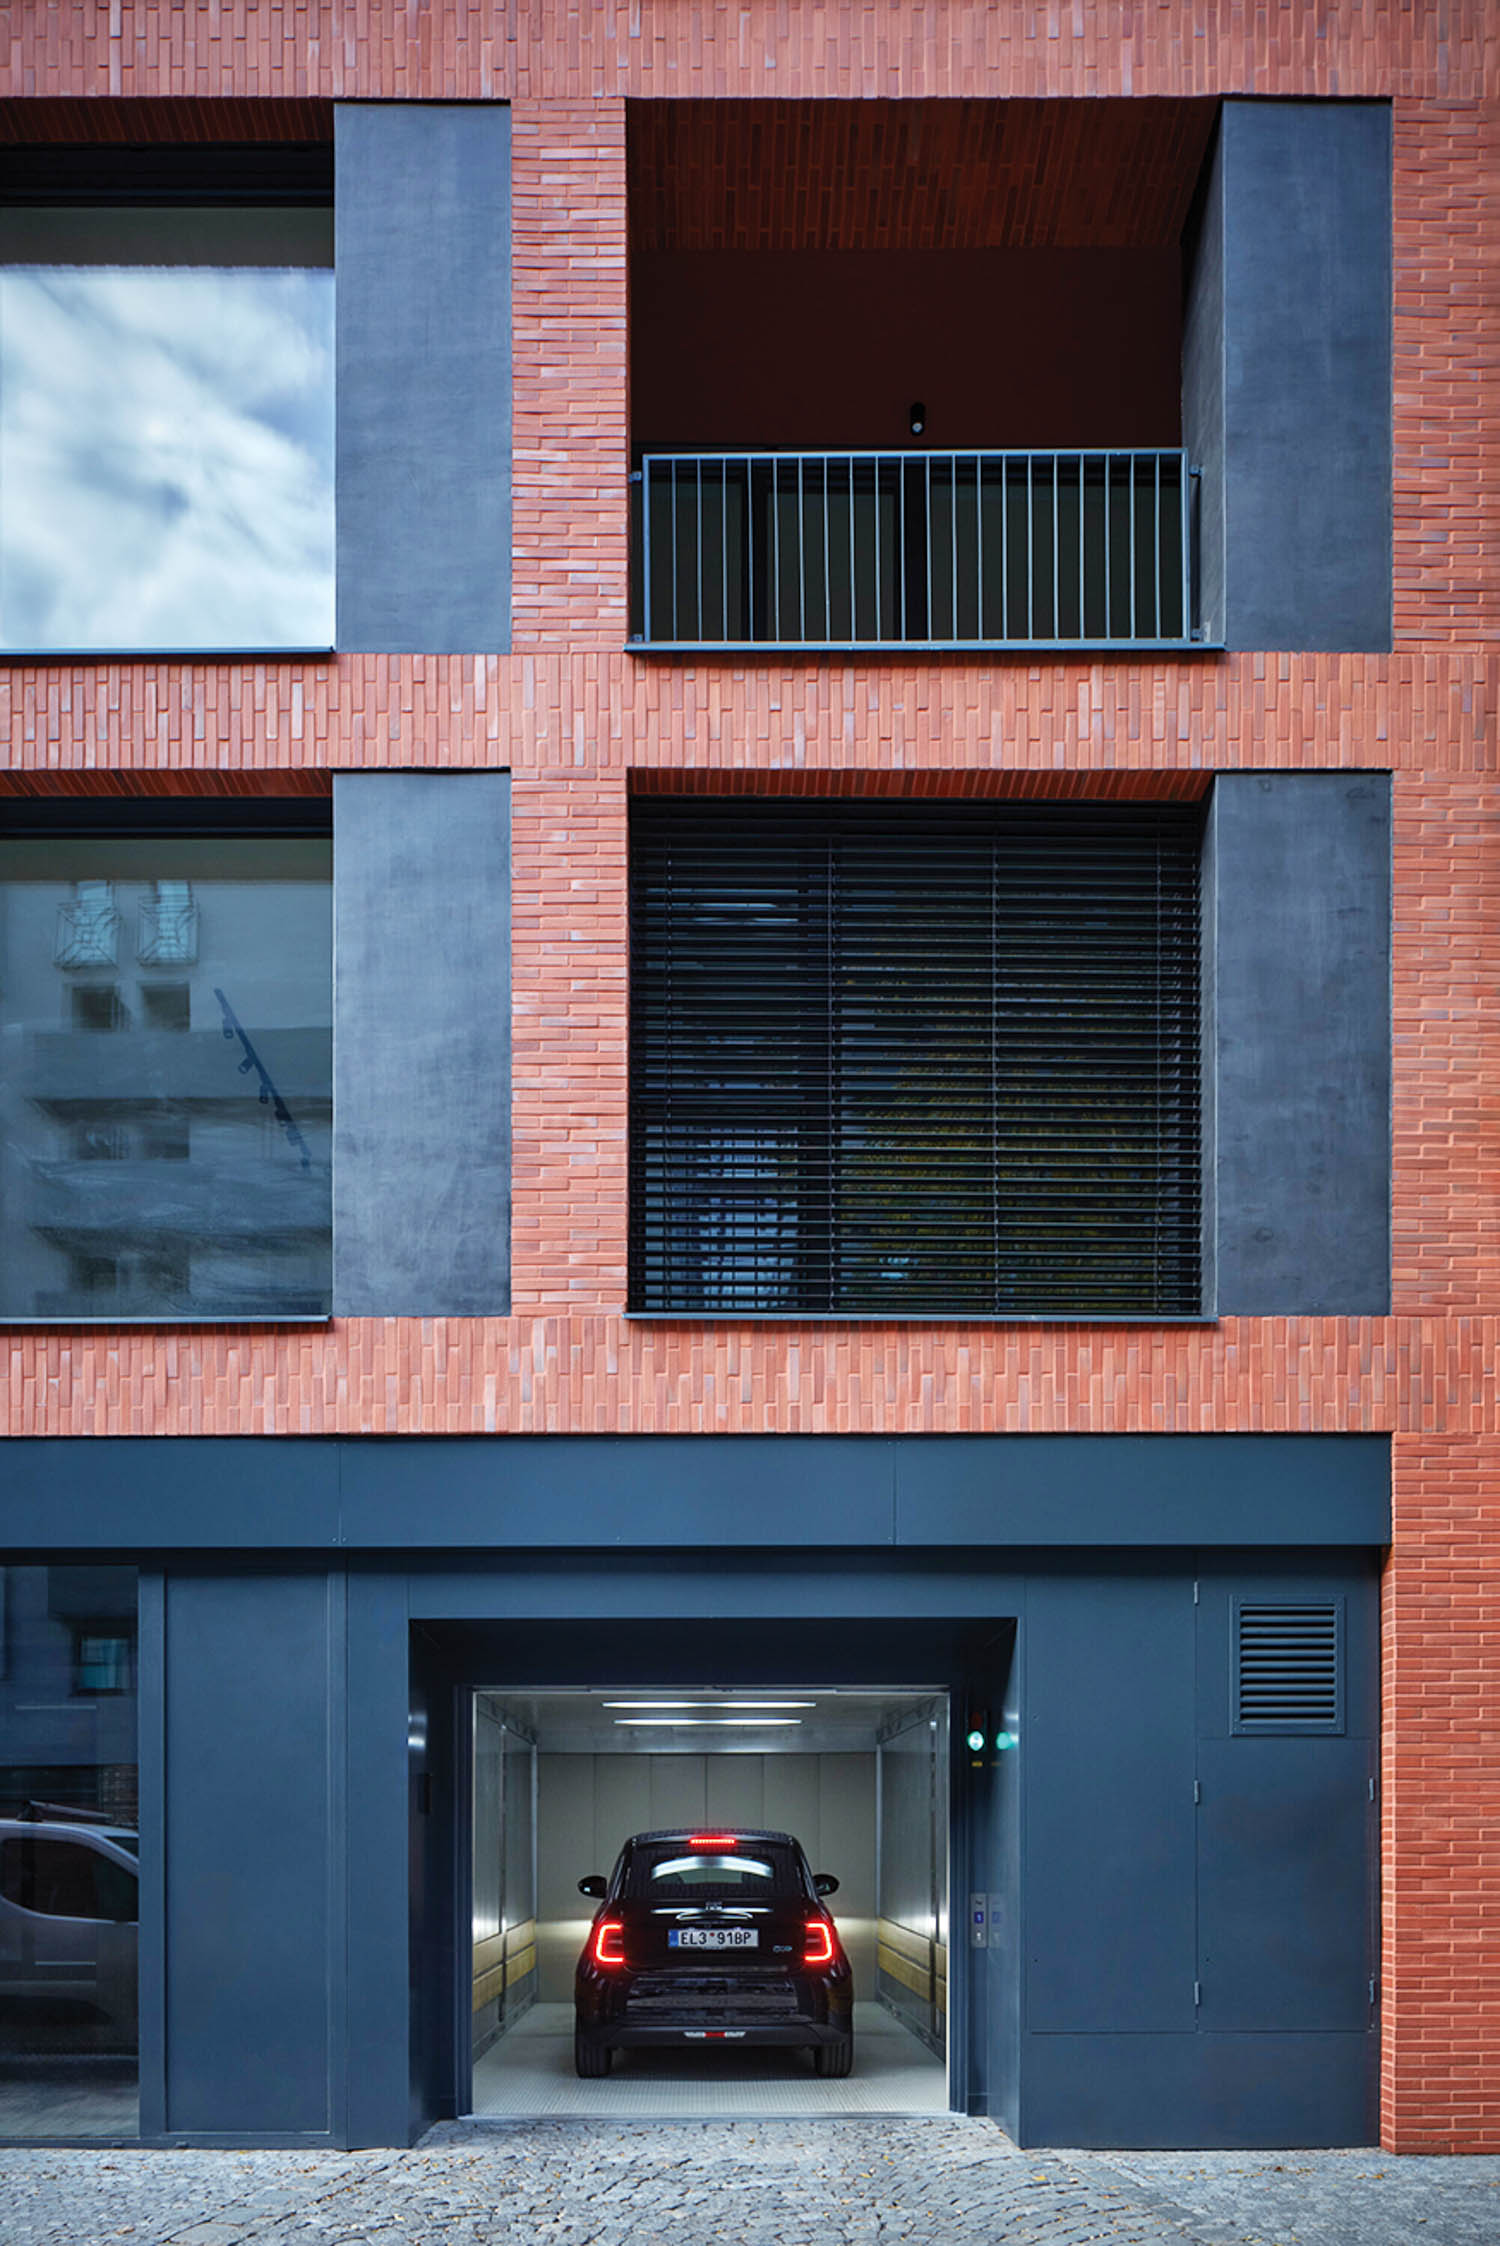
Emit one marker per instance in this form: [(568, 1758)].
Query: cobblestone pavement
[(776, 2183)]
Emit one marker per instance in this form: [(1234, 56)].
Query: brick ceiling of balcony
[(914, 175), (102, 121)]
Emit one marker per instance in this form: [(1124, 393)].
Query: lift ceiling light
[(722, 1723), (709, 1703)]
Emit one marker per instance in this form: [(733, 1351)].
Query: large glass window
[(166, 413), (166, 1087), (69, 1851)]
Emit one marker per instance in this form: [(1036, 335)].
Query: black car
[(712, 1937)]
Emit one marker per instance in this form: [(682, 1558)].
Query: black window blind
[(914, 1059)]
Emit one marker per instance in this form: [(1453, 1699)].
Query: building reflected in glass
[(69, 1852), (166, 1085)]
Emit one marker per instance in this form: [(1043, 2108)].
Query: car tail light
[(819, 1949), (712, 1840), (609, 1942)]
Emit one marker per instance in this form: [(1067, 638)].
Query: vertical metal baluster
[(698, 528), (1056, 548), (773, 522), (1157, 542), (752, 542), (927, 532), (801, 548), (877, 633), (1083, 632), (853, 579), (901, 540), (827, 555), (724, 546), (953, 541), (1030, 549), (1005, 545), (1109, 462), (676, 592), (1133, 632), (1185, 489), (646, 468), (979, 632)]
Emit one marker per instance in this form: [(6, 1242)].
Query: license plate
[(713, 1938)]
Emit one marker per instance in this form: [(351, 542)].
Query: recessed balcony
[(909, 375)]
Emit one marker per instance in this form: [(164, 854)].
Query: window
[(66, 1879), (69, 1851), (905, 1059), (166, 408), (102, 1664), (165, 1121)]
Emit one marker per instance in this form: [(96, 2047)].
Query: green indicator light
[(1004, 1739), (976, 1742)]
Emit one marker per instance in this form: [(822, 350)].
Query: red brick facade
[(579, 723)]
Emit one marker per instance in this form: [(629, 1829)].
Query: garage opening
[(562, 1779)]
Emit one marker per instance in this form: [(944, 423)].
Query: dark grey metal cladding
[(1234, 2092), (1108, 1878), (1287, 1928), (423, 489), (254, 1874), (1191, 1895), (1287, 376), (1302, 950), (697, 1493), (421, 1164)]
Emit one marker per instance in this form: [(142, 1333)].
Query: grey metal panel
[(179, 1492), (616, 1490), (421, 1150), (1287, 1839), (1303, 1036), (1203, 388), (1230, 2091), (151, 1750), (1107, 1733), (254, 1862), (1306, 223), (422, 252), (378, 1752), (1142, 1490), (1284, 1883)]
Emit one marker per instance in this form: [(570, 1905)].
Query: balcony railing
[(941, 550)]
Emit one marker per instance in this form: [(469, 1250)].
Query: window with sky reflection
[(166, 429)]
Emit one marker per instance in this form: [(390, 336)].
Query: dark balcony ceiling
[(206, 788), (106, 121), (913, 175)]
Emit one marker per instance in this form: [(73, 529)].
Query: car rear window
[(667, 1870)]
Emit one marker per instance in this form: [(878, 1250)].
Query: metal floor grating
[(528, 2076)]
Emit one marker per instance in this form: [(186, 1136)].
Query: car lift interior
[(560, 1778)]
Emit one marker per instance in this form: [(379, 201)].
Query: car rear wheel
[(834, 2060), (591, 2060)]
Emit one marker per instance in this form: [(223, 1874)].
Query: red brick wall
[(576, 719), (1441, 1754), (480, 50)]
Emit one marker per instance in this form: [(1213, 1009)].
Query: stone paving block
[(924, 2183)]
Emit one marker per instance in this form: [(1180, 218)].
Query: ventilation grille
[(920, 1060), (1289, 1668)]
